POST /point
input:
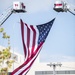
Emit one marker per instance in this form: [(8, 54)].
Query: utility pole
[(54, 66)]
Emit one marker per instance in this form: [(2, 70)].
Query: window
[(57, 72)]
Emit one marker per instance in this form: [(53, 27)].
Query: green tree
[(5, 54)]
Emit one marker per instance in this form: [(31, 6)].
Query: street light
[(54, 66)]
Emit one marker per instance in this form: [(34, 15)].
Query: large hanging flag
[(33, 38)]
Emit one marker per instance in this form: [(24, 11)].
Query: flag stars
[(43, 31)]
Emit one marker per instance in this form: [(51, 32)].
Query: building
[(39, 68)]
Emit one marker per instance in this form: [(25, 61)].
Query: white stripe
[(37, 35), (31, 40)]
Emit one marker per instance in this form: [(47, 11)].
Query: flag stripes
[(27, 63)]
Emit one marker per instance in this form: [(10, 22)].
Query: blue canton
[(44, 30)]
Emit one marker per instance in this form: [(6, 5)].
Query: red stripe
[(34, 39), (28, 38), (58, 4), (22, 32)]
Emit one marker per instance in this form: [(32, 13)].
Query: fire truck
[(17, 7)]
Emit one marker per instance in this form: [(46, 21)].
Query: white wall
[(38, 66)]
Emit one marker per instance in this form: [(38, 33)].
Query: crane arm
[(18, 7), (71, 12), (62, 6), (71, 9), (5, 16)]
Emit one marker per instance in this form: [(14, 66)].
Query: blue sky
[(60, 43)]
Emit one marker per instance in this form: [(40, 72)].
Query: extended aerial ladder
[(63, 6), (18, 7)]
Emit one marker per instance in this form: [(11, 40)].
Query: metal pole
[(54, 66)]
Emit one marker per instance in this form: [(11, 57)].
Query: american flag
[(33, 38)]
